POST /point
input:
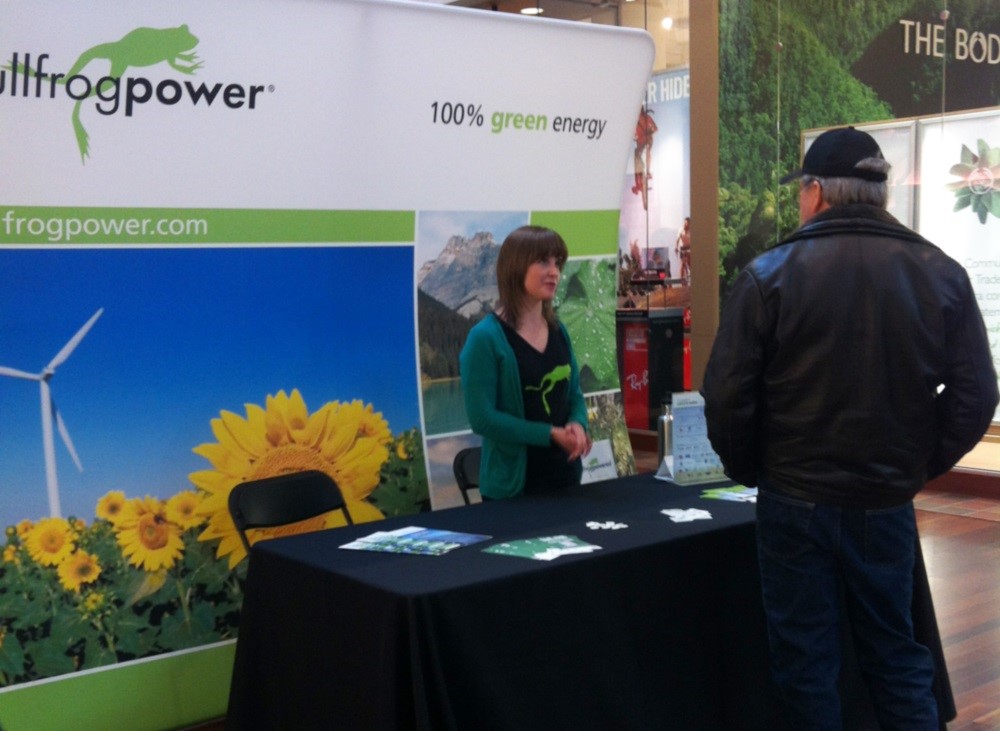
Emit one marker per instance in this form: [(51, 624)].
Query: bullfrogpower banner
[(242, 239)]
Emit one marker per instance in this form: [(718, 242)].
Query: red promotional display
[(650, 361), (687, 348), (687, 362), (634, 354)]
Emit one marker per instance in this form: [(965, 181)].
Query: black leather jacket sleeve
[(965, 407), (733, 383)]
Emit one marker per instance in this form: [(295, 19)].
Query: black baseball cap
[(835, 153)]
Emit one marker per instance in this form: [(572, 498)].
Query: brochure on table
[(693, 461), (544, 548), (416, 540), (736, 493)]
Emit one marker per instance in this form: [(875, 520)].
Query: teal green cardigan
[(491, 386)]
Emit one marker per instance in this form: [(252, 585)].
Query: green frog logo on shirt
[(549, 381)]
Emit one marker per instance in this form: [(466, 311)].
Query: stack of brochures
[(694, 460)]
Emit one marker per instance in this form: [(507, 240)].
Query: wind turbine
[(50, 413)]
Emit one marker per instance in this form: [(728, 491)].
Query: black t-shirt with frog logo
[(545, 390)]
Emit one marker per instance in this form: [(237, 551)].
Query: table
[(661, 628)]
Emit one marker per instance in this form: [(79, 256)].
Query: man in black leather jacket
[(851, 365)]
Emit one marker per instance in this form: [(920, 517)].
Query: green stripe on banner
[(586, 233), (59, 225), (188, 688)]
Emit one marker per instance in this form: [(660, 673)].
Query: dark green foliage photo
[(795, 66)]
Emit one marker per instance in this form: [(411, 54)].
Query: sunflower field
[(150, 575), (134, 582)]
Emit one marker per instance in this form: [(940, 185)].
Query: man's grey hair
[(843, 191)]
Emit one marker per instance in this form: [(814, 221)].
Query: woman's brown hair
[(522, 248)]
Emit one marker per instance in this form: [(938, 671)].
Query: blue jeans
[(812, 555)]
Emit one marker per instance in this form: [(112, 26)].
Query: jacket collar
[(855, 219)]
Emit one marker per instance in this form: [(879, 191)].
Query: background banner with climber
[(657, 196)]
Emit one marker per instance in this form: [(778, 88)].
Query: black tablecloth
[(661, 628)]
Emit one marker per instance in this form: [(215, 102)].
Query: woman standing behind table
[(520, 378)]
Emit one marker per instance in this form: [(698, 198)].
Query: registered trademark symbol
[(270, 88)]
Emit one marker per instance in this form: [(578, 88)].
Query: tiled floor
[(984, 459), (956, 504)]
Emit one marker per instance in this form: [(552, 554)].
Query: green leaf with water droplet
[(586, 305)]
